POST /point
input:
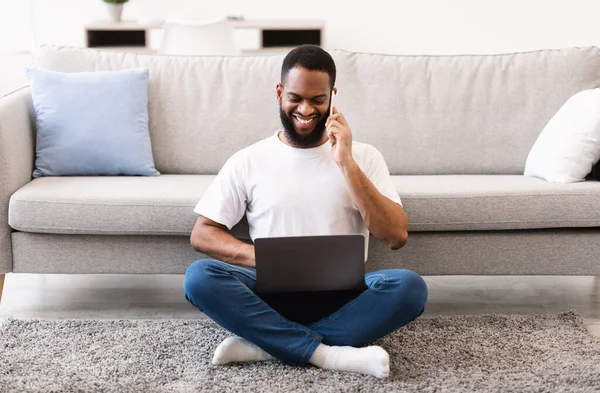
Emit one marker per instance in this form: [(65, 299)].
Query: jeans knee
[(414, 291), (196, 282)]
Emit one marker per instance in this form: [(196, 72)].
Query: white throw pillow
[(569, 145)]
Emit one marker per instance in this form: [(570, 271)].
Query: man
[(308, 179)]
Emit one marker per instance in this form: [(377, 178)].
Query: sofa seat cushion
[(111, 205), (164, 204), (496, 202)]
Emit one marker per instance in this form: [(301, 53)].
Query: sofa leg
[(2, 276)]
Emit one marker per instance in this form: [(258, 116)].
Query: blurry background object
[(188, 36), (409, 27), (197, 37), (115, 9), (124, 36), (405, 27)]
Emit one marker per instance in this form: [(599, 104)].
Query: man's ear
[(279, 92)]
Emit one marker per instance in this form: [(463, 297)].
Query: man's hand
[(340, 136)]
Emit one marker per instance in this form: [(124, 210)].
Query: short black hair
[(311, 57)]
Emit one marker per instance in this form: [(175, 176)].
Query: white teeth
[(304, 121)]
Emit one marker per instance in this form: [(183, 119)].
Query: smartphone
[(331, 103)]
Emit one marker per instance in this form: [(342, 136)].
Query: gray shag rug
[(460, 353)]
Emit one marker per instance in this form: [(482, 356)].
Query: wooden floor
[(160, 296)]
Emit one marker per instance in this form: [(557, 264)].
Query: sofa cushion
[(111, 205), (569, 145), (91, 123), (427, 114), (164, 205), (496, 202)]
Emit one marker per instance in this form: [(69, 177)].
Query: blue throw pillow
[(92, 123)]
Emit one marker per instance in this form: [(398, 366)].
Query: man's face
[(304, 106)]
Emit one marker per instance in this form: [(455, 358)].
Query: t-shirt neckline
[(318, 151)]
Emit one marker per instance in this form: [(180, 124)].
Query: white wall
[(12, 72), (387, 26)]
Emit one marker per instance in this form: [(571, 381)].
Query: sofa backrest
[(450, 114)]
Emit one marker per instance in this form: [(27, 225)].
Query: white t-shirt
[(286, 191)]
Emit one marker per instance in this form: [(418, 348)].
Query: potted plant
[(115, 9)]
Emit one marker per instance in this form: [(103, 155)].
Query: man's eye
[(294, 99)]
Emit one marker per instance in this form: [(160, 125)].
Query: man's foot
[(236, 349), (372, 360)]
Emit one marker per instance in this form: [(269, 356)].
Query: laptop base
[(308, 307)]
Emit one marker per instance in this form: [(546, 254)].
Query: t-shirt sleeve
[(225, 199), (377, 171)]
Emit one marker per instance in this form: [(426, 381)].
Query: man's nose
[(305, 108)]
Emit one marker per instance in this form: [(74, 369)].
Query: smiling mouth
[(304, 122)]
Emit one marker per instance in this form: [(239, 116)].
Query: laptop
[(306, 278)]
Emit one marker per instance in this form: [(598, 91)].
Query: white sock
[(372, 360), (236, 349)]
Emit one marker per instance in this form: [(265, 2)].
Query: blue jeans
[(225, 293)]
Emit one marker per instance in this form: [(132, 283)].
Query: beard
[(302, 140)]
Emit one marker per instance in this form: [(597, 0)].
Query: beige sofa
[(454, 130)]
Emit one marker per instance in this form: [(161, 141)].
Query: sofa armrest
[(17, 156)]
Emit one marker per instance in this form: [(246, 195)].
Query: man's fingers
[(331, 123), (331, 127), (333, 119), (339, 117), (331, 136)]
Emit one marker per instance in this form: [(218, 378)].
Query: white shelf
[(262, 24), (280, 24), (124, 25), (268, 51), (253, 36), (148, 51)]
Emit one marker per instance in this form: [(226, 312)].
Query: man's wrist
[(347, 166), (251, 257)]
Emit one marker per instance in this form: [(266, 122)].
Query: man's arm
[(214, 240), (384, 218)]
